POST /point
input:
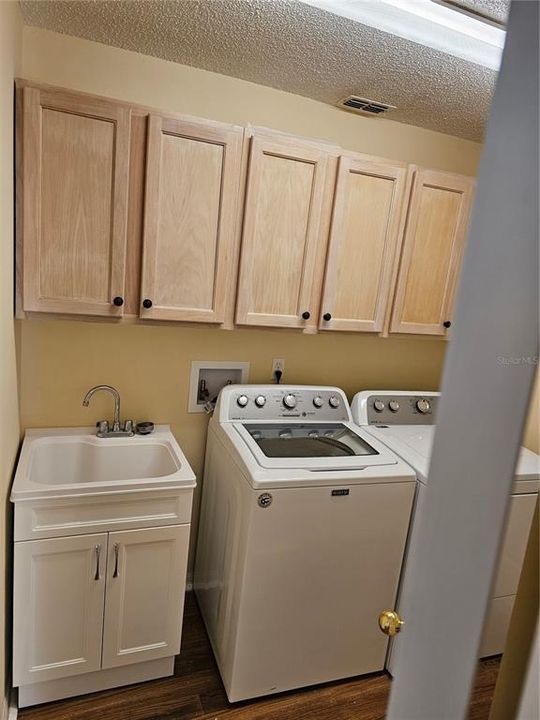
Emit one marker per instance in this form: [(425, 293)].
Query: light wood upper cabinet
[(123, 210), (190, 225), (432, 251), (288, 197), (74, 158), (368, 206)]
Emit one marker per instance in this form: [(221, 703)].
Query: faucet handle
[(103, 427), (128, 426)]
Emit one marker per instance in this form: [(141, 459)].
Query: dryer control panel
[(276, 402), (394, 407)]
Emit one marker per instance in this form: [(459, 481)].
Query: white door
[(59, 589), (145, 599), (483, 404)]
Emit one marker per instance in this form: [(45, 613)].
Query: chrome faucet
[(104, 431)]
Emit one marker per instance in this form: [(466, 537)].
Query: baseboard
[(50, 690), (9, 706), (13, 710)]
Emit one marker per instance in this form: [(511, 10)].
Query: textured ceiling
[(496, 10), (291, 46)]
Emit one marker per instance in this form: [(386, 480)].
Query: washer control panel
[(273, 402), (397, 409)]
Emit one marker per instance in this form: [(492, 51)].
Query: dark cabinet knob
[(326, 317), (447, 323), (306, 315), (147, 303), (118, 301)]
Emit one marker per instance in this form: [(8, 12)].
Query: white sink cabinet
[(99, 571)]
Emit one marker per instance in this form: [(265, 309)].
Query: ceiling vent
[(365, 106)]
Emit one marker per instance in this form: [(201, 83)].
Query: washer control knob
[(378, 405), (423, 406), (242, 400), (289, 401), (393, 405), (260, 401), (334, 401), (318, 401)]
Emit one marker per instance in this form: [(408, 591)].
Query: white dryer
[(405, 422), (302, 533)]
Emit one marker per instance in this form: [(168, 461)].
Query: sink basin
[(73, 461)]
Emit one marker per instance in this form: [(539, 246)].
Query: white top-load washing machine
[(405, 422), (302, 532)]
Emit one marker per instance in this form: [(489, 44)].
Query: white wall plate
[(216, 375)]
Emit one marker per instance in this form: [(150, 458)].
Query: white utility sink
[(64, 462)]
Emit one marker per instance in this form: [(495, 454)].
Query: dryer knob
[(289, 401), (242, 400), (423, 406), (318, 401), (334, 401), (393, 405), (378, 405)]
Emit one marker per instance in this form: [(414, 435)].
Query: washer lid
[(315, 446)]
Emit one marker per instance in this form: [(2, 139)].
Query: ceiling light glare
[(427, 23)]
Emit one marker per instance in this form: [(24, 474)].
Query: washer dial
[(289, 401), (378, 405), (334, 401), (318, 401), (393, 405), (242, 400), (260, 401)]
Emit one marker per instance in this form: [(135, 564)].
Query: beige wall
[(531, 436), (150, 366), (10, 56), (84, 65)]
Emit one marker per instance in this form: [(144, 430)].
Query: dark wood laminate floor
[(196, 692)]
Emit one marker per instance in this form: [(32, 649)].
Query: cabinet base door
[(145, 594), (58, 601)]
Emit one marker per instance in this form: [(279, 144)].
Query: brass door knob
[(390, 622)]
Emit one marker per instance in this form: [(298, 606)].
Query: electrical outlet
[(277, 364)]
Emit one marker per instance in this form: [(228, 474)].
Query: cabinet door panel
[(365, 226), (193, 175), (145, 594), (432, 252), (284, 238), (58, 607), (75, 175)]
